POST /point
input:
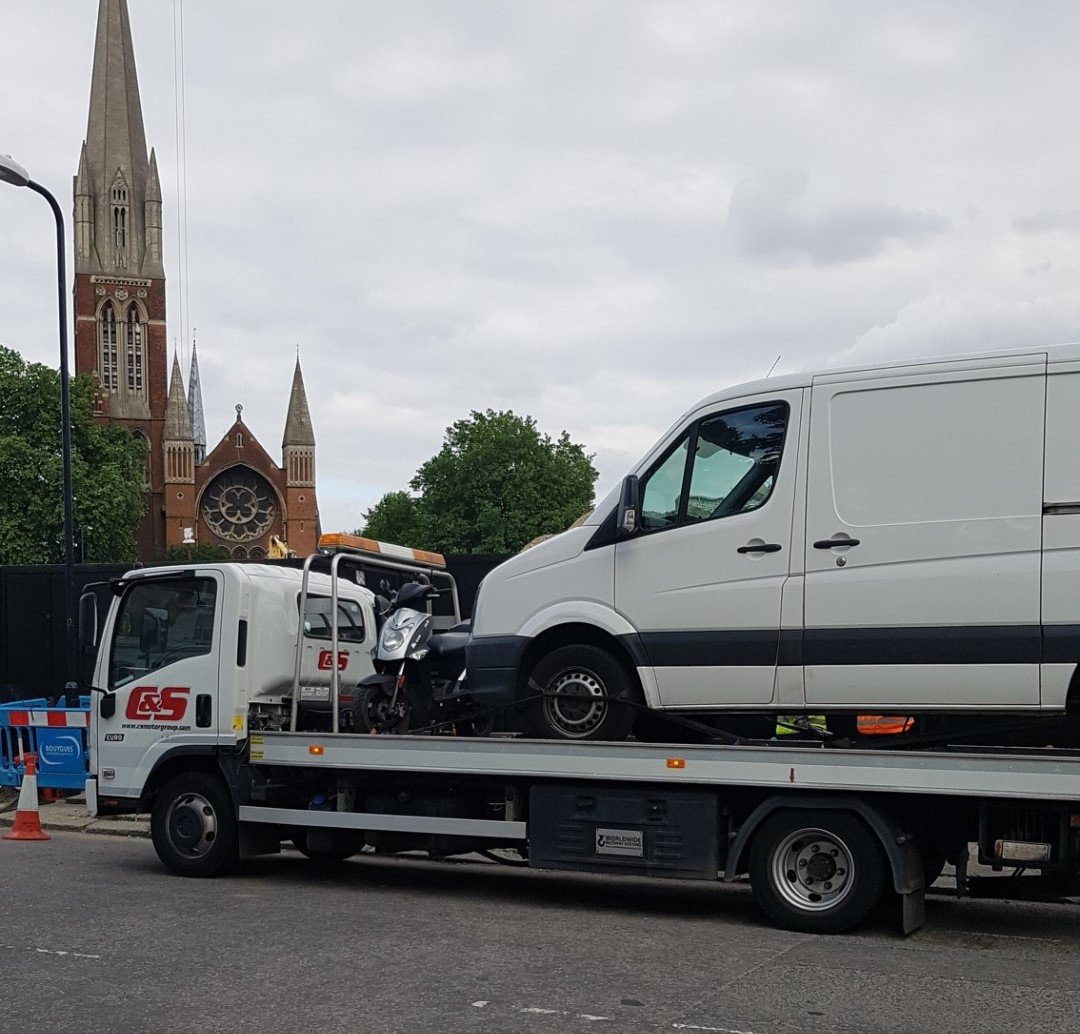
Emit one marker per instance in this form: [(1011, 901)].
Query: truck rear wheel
[(816, 871), (587, 695), (193, 826)]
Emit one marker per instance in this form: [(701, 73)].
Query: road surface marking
[(720, 1030), (50, 951)]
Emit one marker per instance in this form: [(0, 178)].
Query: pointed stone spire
[(84, 210), (298, 445), (177, 418), (298, 430), (115, 147), (195, 407), (153, 264)]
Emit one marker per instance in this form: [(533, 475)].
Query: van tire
[(798, 893), (567, 678), (193, 826)]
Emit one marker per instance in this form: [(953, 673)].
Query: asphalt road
[(96, 936)]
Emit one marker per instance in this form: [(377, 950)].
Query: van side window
[(732, 457), (662, 490), (160, 622), (736, 456)]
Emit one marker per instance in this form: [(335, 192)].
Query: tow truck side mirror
[(628, 518), (88, 630)]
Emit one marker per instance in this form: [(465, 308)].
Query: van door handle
[(765, 547), (829, 543)]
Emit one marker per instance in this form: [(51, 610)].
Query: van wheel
[(193, 826), (816, 871), (587, 695)]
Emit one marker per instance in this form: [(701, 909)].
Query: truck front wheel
[(193, 825), (584, 694), (816, 871)]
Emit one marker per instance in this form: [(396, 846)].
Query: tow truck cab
[(191, 659)]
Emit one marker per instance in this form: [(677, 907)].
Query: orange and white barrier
[(27, 824), (51, 718)]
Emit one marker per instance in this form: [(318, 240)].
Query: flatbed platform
[(1041, 775)]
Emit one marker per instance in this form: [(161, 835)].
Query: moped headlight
[(392, 638)]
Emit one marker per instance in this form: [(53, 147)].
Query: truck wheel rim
[(191, 825), (812, 870), (575, 706)]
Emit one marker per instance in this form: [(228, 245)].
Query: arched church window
[(107, 348), (239, 553), (134, 351), (145, 443)]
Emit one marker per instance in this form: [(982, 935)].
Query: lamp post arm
[(65, 434)]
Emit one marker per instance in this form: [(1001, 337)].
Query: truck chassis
[(824, 834)]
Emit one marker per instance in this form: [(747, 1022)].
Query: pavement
[(68, 815), (98, 934)]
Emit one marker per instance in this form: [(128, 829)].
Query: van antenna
[(773, 367)]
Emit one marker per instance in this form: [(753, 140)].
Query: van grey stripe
[(967, 644)]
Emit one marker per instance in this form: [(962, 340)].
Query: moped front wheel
[(380, 709)]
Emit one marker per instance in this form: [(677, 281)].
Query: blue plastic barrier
[(57, 735)]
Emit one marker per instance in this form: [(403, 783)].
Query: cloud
[(1046, 220), (592, 211), (770, 220), (970, 322)]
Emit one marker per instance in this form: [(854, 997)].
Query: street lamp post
[(12, 172)]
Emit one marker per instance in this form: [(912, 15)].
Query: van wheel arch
[(577, 634)]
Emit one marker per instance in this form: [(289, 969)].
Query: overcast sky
[(591, 212)]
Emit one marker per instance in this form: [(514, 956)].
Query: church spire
[(115, 149), (177, 418), (298, 443), (195, 407), (298, 430)]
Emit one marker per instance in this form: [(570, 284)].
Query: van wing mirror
[(628, 519), (88, 630)]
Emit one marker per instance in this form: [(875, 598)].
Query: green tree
[(107, 470), (496, 484), (394, 518)]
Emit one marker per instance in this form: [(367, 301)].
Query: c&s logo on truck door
[(148, 703), (326, 659)]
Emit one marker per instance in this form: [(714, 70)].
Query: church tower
[(298, 459), (179, 443), (120, 334)]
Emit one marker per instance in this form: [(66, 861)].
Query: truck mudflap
[(901, 848)]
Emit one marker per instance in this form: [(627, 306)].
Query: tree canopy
[(107, 471), (496, 484)]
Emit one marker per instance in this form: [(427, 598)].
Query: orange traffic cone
[(27, 824)]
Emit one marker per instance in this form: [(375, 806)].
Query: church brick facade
[(234, 495)]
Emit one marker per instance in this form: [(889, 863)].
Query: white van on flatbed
[(899, 539)]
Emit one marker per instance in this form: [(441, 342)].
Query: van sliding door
[(923, 528)]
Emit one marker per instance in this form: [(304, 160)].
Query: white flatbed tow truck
[(824, 833)]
